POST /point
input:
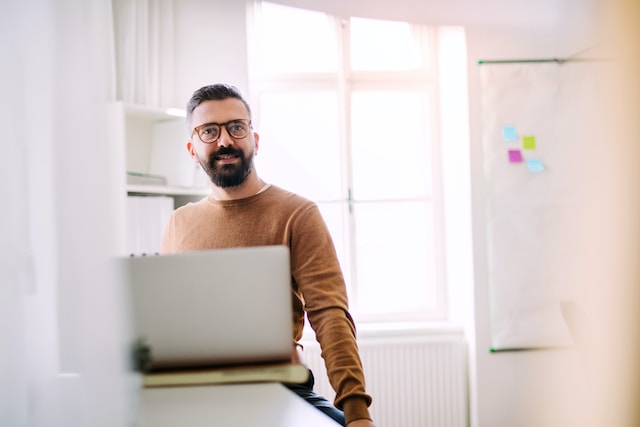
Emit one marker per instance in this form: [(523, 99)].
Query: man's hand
[(361, 423)]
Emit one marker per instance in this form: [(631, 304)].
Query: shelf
[(166, 190), (151, 143)]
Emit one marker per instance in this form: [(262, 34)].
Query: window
[(347, 113)]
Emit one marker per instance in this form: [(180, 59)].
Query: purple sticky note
[(515, 156)]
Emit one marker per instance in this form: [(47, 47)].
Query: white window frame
[(347, 81)]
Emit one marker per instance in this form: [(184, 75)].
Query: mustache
[(224, 151)]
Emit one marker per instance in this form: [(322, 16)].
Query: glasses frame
[(224, 125)]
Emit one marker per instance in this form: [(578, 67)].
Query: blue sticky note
[(535, 165), (509, 133)]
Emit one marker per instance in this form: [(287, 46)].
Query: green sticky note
[(529, 142)]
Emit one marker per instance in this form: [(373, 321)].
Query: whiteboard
[(535, 134)]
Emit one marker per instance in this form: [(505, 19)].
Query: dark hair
[(215, 92)]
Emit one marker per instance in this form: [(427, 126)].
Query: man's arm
[(317, 272), (361, 423)]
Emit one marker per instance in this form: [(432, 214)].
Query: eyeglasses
[(210, 132)]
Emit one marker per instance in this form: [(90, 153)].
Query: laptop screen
[(211, 308)]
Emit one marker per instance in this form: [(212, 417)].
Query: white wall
[(549, 388), (63, 354), (531, 387), (516, 13)]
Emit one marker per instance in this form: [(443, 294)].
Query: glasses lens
[(237, 129), (209, 133)]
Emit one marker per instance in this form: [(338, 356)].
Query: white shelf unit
[(152, 141)]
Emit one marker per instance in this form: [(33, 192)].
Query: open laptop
[(212, 308)]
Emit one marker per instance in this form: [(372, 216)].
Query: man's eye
[(212, 130), (236, 127)]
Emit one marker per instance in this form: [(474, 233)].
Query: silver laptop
[(212, 308)]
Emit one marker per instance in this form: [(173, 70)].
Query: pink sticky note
[(515, 156)]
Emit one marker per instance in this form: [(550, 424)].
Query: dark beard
[(224, 176)]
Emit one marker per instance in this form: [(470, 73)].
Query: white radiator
[(415, 381)]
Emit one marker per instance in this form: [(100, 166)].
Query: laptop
[(211, 309)]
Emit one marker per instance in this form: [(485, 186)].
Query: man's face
[(228, 161)]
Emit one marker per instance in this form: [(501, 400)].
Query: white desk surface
[(237, 405)]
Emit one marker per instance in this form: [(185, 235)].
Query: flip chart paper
[(533, 195)]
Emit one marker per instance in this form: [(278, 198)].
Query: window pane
[(383, 46), (291, 40), (334, 215), (391, 145), (364, 124), (395, 257), (300, 143)]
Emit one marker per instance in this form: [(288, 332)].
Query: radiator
[(415, 381)]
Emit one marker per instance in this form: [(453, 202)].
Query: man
[(243, 210)]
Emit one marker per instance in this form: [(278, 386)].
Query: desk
[(237, 405)]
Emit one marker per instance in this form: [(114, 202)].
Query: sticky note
[(509, 133), (535, 165), (529, 142), (515, 156)]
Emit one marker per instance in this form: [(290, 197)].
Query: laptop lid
[(215, 307)]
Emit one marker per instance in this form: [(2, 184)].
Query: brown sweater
[(277, 217)]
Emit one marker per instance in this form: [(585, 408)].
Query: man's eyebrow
[(220, 123)]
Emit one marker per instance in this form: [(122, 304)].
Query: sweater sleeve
[(317, 272)]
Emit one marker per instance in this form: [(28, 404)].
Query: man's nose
[(224, 140)]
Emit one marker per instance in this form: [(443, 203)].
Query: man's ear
[(192, 151), (256, 139)]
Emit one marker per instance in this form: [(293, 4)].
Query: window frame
[(346, 81)]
